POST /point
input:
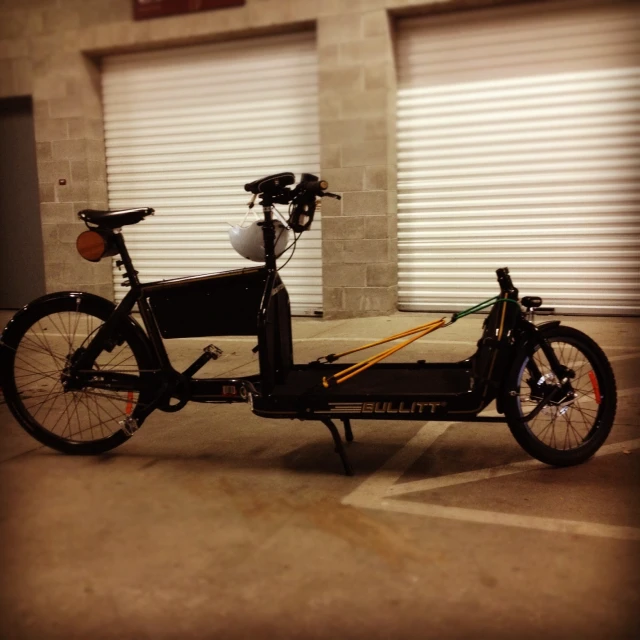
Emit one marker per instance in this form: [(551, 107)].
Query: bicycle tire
[(584, 421), (39, 343)]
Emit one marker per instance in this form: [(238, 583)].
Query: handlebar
[(277, 188), (302, 198)]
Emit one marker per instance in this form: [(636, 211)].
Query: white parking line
[(376, 485), (626, 356), (374, 492), (555, 525), (495, 472), (623, 393)]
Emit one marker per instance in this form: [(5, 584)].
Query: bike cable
[(294, 244)]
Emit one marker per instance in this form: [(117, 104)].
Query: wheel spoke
[(116, 353), (78, 397), (66, 409), (27, 365), (53, 404), (118, 365), (109, 396), (541, 434), (89, 399), (39, 346), (572, 429), (75, 402), (59, 328), (60, 416), (75, 328), (30, 345), (45, 337), (42, 374), (100, 422), (39, 404)]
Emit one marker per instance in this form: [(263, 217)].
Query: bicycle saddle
[(114, 219)]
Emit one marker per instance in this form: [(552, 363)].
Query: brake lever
[(326, 194)]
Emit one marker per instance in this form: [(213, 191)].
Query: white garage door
[(186, 128), (519, 146)]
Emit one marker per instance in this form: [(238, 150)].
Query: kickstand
[(339, 447), (348, 434)]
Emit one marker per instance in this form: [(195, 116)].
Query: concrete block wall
[(51, 50), (357, 119)]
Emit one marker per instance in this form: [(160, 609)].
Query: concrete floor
[(213, 523)]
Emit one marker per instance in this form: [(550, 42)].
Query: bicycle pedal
[(213, 352), (129, 425)]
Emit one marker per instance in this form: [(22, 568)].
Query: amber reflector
[(91, 245)]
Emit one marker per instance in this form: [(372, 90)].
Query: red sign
[(143, 9)]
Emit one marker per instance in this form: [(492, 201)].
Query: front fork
[(553, 393), (535, 335)]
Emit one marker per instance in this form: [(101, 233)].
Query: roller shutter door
[(186, 128), (519, 146)]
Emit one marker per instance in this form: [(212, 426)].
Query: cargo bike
[(81, 374)]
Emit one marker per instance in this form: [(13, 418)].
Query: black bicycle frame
[(261, 307)]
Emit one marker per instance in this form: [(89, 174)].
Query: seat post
[(132, 274)]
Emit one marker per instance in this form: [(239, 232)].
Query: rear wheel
[(575, 424), (40, 345)]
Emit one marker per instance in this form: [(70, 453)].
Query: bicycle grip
[(315, 186)]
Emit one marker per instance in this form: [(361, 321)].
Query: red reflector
[(129, 407), (596, 387)]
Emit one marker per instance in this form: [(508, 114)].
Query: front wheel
[(571, 427), (39, 346)]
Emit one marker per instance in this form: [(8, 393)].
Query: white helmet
[(249, 241)]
